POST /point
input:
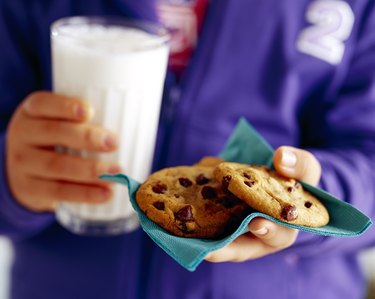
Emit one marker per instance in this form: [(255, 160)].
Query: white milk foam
[(121, 73)]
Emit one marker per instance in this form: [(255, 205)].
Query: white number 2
[(332, 24)]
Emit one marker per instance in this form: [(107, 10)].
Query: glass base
[(96, 227)]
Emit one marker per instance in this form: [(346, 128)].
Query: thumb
[(297, 164)]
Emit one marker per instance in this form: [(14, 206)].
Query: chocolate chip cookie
[(187, 201), (268, 192)]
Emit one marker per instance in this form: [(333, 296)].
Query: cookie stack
[(210, 199)]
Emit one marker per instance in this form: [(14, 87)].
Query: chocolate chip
[(249, 183), (289, 213), (308, 204), (246, 175), (201, 179), (176, 195), (159, 188), (184, 214), (185, 182), (208, 192), (225, 181), (184, 228), (159, 205), (296, 186)]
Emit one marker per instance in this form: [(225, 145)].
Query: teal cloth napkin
[(245, 145)]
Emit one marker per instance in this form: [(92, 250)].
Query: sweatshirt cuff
[(14, 218)]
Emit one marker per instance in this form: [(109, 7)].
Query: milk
[(121, 72)]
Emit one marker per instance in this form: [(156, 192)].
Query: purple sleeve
[(16, 221), (17, 79), (348, 159)]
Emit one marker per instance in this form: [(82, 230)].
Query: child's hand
[(266, 237), (39, 177)]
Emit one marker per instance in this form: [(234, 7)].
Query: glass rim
[(159, 32)]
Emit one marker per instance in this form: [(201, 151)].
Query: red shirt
[(184, 19)]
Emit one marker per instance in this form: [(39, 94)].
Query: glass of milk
[(119, 66)]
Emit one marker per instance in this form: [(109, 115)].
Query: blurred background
[(367, 259)]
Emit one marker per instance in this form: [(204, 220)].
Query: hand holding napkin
[(245, 145)]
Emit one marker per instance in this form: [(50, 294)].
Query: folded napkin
[(245, 145)]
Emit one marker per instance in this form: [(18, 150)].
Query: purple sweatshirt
[(302, 72)]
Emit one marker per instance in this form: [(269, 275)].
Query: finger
[(45, 195), (83, 136), (56, 166), (271, 234), (298, 164), (245, 247), (49, 105), (265, 237)]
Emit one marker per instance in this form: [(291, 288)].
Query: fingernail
[(110, 142), (83, 111), (27, 106), (288, 159), (113, 169), (262, 231), (80, 112)]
